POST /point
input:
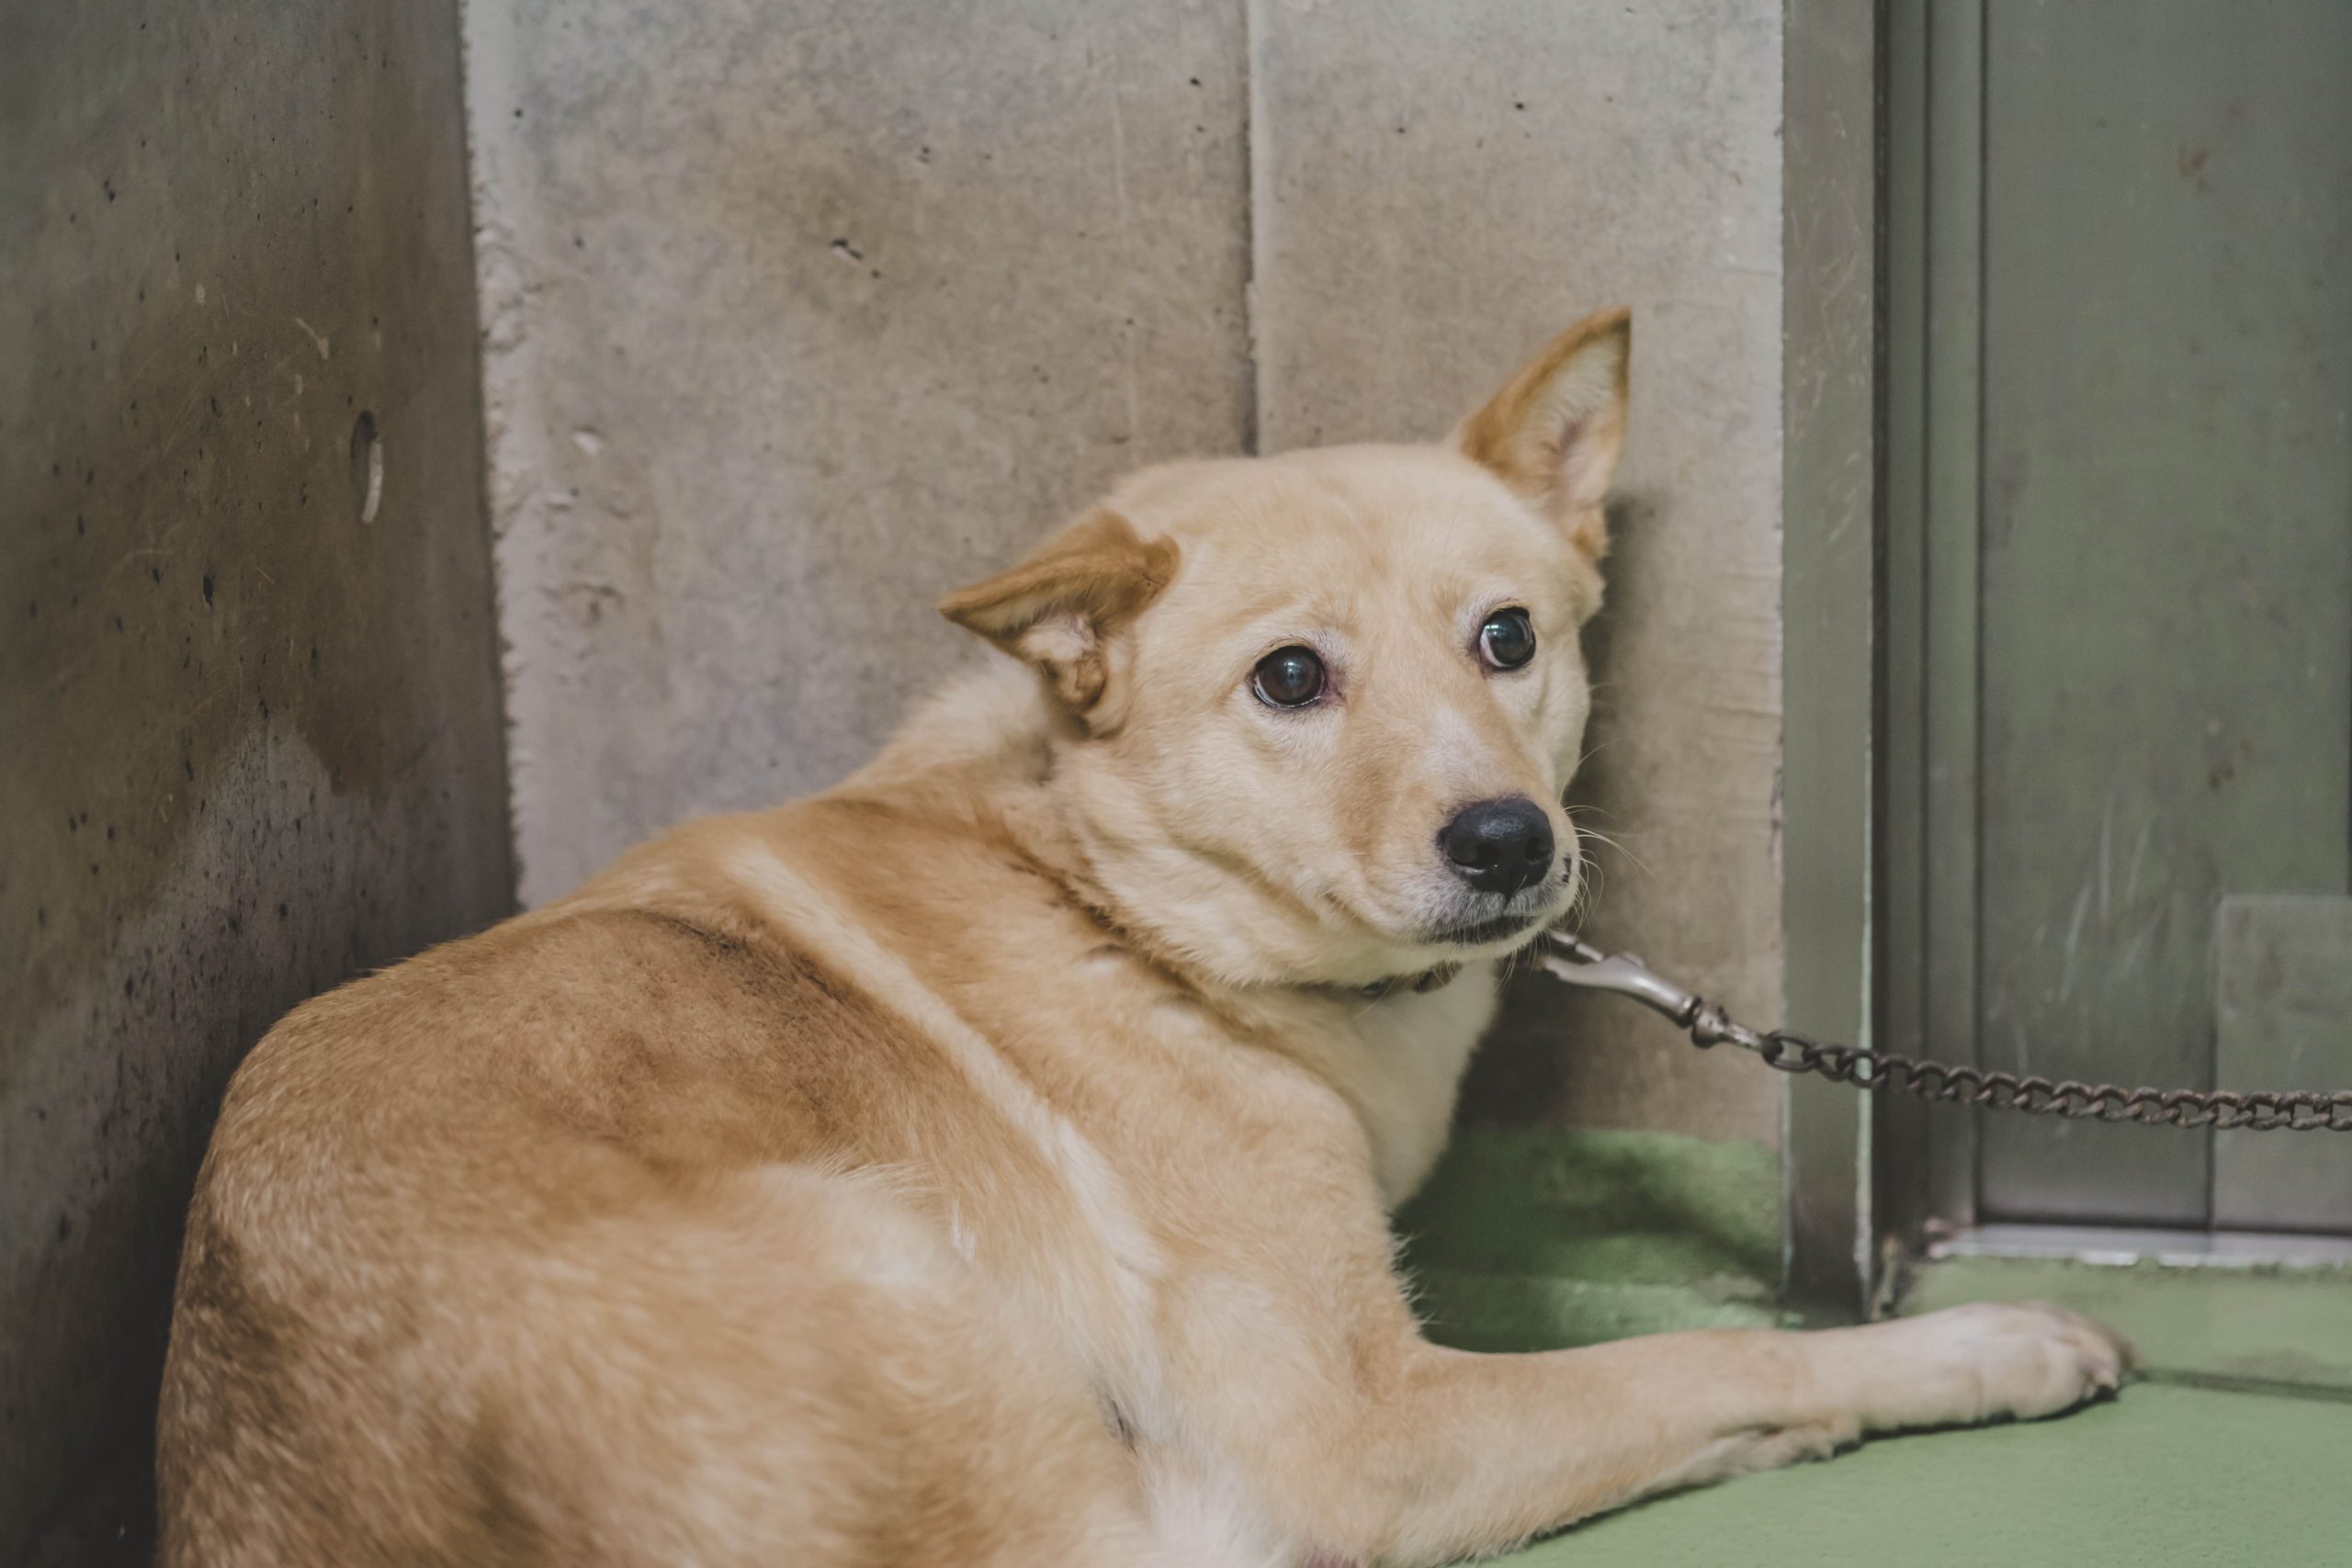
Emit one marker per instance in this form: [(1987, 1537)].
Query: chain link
[(2302, 1111)]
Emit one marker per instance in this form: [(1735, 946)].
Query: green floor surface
[(1529, 1241), (2236, 1452), (2163, 1477)]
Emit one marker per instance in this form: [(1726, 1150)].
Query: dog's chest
[(1394, 1064), (1402, 1069)]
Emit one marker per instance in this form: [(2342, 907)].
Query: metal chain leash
[(2305, 1110)]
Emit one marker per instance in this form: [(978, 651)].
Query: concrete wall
[(800, 315), (251, 743)]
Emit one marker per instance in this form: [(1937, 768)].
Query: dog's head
[(1317, 710)]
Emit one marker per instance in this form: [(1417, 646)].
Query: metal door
[(2119, 587)]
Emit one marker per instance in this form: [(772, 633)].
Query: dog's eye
[(1288, 678), (1508, 639)]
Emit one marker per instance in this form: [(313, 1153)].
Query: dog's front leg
[(1422, 1454)]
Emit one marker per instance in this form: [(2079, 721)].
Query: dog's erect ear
[(1061, 609), (1553, 433)]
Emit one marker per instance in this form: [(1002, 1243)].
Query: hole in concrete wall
[(366, 467)]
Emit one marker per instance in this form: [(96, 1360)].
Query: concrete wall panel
[(800, 316), (1441, 186), (249, 743)]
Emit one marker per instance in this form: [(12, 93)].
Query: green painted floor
[(2233, 1450)]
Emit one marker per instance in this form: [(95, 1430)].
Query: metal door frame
[(1832, 500), (1927, 876), (1883, 259)]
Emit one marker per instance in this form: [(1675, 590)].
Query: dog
[(989, 1160)]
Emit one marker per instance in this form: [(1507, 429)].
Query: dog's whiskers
[(1597, 837)]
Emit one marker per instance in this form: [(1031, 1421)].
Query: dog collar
[(1427, 980)]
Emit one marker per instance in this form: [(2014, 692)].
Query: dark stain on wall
[(250, 736)]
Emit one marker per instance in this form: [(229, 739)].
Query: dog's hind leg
[(785, 1366)]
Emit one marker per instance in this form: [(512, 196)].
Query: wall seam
[(1253, 229)]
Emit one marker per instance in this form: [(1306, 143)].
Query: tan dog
[(989, 1160)]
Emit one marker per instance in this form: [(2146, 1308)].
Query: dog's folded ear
[(1063, 608), (1553, 432)]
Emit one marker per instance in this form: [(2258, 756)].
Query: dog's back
[(572, 1242)]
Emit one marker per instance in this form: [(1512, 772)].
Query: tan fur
[(987, 1161), (1555, 430)]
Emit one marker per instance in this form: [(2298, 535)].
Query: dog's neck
[(1428, 980)]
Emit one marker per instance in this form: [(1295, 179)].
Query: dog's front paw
[(1976, 1363)]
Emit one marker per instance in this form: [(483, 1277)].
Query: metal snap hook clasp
[(1580, 962)]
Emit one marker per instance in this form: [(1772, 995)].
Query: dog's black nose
[(1500, 846)]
